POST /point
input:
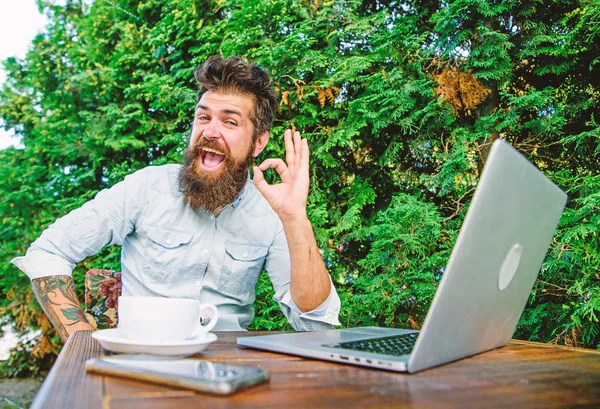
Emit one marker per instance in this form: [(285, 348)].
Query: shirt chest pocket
[(242, 264), (166, 254)]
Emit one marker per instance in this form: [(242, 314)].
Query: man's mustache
[(211, 144)]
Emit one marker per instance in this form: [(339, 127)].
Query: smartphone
[(203, 376)]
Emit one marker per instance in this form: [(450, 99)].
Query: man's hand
[(310, 284), (289, 197)]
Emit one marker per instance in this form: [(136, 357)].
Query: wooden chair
[(102, 291)]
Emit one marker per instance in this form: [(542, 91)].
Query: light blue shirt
[(170, 250)]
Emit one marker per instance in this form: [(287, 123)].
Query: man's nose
[(211, 131)]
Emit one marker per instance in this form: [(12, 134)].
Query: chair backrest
[(102, 291)]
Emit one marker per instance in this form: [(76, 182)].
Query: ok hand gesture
[(289, 197)]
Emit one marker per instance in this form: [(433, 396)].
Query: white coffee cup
[(159, 319)]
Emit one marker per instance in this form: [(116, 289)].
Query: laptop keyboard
[(394, 345)]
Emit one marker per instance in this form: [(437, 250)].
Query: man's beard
[(212, 190)]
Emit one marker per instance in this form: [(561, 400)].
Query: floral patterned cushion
[(102, 291)]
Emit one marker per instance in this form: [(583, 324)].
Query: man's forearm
[(310, 284), (56, 295)]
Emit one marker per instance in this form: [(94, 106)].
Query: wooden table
[(520, 375)]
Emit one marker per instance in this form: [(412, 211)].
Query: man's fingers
[(276, 163), (297, 149), (259, 179), (305, 156), (258, 175), (279, 165), (289, 149), (303, 168)]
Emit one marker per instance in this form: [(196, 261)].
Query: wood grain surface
[(520, 375)]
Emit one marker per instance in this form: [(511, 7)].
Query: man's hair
[(237, 76)]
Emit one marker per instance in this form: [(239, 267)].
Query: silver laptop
[(493, 266)]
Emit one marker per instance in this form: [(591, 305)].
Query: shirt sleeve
[(101, 222), (278, 267)]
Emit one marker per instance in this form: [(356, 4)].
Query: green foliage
[(400, 102), (268, 315), (20, 362), (394, 283)]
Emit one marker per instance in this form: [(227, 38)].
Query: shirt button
[(198, 282), (212, 217), (205, 251), (245, 255), (168, 241)]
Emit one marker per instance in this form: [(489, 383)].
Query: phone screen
[(195, 374)]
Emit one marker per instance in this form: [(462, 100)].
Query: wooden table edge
[(43, 392)]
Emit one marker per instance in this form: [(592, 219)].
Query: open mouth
[(211, 158)]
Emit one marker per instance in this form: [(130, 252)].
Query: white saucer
[(112, 340)]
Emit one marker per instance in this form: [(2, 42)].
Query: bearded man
[(203, 230)]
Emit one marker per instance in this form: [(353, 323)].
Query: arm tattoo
[(57, 297)]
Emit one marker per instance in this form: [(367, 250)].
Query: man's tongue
[(212, 159)]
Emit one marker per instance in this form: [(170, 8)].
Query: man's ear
[(260, 144)]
